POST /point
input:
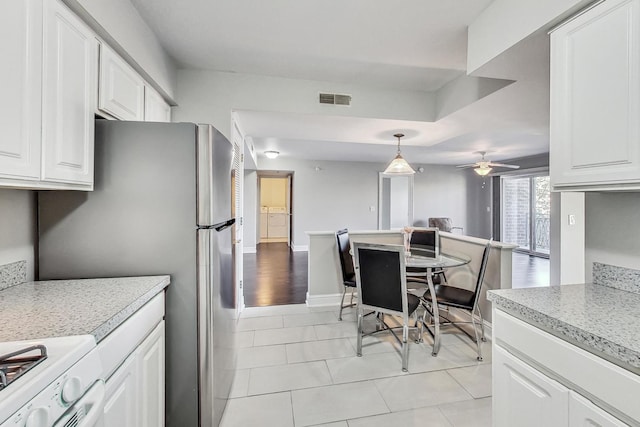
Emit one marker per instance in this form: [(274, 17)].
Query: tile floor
[(297, 366)]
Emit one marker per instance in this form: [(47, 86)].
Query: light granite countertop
[(56, 308), (599, 319)]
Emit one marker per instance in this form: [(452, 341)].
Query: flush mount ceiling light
[(399, 165), (271, 154)]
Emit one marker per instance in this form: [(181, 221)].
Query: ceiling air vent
[(335, 99)]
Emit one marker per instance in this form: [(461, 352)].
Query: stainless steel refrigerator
[(161, 205)]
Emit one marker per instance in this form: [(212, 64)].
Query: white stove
[(51, 389)]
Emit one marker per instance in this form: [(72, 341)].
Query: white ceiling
[(408, 45)]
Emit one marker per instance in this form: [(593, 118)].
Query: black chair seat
[(452, 296), (351, 283), (412, 303)]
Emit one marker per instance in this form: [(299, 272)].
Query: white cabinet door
[(155, 107), (69, 90), (150, 355), (595, 97), (121, 87), (20, 85), (523, 396), (583, 413), (121, 397)]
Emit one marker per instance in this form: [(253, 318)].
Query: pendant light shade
[(399, 165)]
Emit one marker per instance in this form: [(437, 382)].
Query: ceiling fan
[(484, 166)]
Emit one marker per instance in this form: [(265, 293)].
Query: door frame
[(289, 175)]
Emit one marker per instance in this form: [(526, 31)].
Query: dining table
[(430, 261)]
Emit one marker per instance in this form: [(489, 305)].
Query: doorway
[(525, 213), (274, 194)]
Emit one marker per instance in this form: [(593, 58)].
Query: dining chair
[(382, 288), (451, 296), (425, 242), (444, 224), (346, 264)]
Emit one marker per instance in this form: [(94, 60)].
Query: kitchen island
[(567, 355)]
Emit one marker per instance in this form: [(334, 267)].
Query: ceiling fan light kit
[(484, 167), (399, 165)]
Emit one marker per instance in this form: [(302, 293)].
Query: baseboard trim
[(249, 250), (299, 248), (323, 300)]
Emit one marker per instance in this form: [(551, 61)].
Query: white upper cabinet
[(20, 84), (155, 107), (595, 98), (49, 85), (121, 92), (68, 96)]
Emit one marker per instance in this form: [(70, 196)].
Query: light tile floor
[(297, 366)]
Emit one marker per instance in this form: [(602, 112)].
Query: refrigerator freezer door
[(215, 163), (216, 322)]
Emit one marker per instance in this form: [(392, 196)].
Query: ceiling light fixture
[(271, 154), (399, 165), (483, 170)]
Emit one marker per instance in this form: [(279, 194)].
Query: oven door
[(88, 411)]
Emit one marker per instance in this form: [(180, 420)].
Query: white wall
[(210, 96), (504, 23), (612, 233), (340, 195), (120, 24), (18, 228)]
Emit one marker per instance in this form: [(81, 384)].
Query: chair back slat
[(346, 260), (425, 242), (381, 279), (481, 272)]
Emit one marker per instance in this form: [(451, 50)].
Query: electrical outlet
[(372, 208), (572, 219)]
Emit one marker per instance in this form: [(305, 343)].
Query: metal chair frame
[(428, 309)]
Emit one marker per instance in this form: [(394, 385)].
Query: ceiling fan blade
[(470, 165), (502, 165)]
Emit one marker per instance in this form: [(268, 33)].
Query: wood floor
[(529, 271), (274, 275)]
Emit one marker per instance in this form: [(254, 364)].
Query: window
[(525, 213)]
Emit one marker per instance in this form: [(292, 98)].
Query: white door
[(150, 359), (524, 397), (121, 396), (20, 84), (69, 91), (583, 413)]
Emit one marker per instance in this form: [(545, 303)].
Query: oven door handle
[(91, 404)]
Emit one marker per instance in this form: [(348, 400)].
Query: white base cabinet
[(121, 396), (150, 355), (541, 380), (532, 398)]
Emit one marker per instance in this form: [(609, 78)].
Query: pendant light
[(399, 165)]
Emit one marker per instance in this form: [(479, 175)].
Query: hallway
[(275, 275)]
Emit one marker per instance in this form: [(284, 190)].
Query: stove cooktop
[(15, 364), (61, 354)]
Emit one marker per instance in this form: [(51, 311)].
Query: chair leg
[(342, 303), (405, 348), (351, 301), (359, 346), (478, 340), (481, 324)]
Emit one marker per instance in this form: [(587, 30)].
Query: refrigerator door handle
[(220, 226)]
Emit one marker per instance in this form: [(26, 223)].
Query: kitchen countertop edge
[(620, 355), (110, 325)]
